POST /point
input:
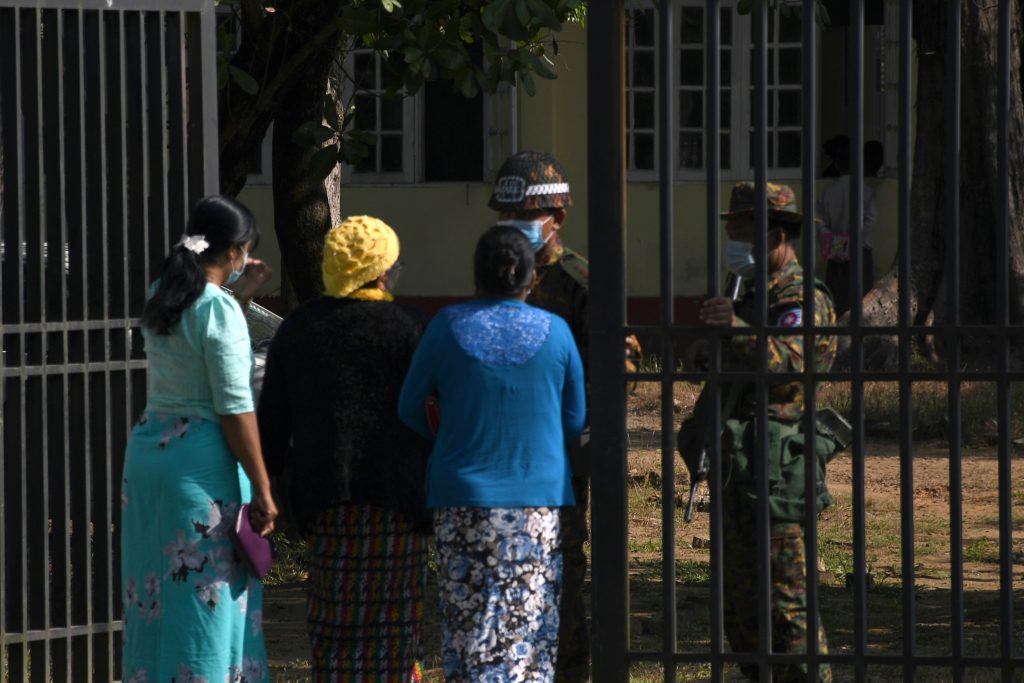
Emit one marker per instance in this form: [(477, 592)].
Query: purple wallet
[(257, 552)]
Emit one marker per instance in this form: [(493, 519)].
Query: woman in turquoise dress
[(192, 610)]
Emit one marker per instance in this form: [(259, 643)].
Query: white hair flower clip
[(197, 244)]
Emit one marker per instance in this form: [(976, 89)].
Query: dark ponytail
[(223, 223), (503, 262)]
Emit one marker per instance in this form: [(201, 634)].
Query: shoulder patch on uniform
[(791, 318), (577, 267)]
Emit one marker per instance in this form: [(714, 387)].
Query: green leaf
[(468, 87), (323, 162), (528, 84), (523, 14), (493, 15), (390, 5), (542, 11), (413, 54), (244, 81), (745, 6), (222, 73)]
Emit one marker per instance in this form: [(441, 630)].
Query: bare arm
[(244, 440)]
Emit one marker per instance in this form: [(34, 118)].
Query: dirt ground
[(285, 605)]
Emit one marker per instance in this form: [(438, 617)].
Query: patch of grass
[(981, 550), (290, 563), (930, 408), (693, 572)]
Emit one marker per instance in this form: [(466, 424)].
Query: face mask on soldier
[(533, 229), (739, 258)]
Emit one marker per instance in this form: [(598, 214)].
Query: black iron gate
[(607, 175), (107, 135)]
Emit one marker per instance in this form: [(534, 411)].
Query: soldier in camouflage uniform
[(531, 192), (785, 409)]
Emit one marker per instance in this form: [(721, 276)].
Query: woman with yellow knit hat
[(329, 409)]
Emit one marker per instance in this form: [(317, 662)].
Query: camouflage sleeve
[(824, 316), (785, 353)]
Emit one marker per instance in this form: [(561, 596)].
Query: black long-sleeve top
[(329, 405)]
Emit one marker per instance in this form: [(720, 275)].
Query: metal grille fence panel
[(607, 174), (107, 136)]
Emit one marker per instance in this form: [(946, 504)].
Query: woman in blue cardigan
[(509, 383)]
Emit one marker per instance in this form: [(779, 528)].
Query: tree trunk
[(979, 186), (302, 215), (278, 49)]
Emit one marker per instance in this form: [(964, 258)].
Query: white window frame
[(500, 131), (741, 118)]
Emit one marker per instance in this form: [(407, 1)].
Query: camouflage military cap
[(530, 180), (781, 202)]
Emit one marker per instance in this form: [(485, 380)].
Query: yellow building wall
[(438, 223)]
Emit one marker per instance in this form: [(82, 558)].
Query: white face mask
[(739, 258)]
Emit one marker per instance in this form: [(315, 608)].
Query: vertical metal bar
[(106, 536), (6, 15), (1006, 617), (905, 348), (164, 136), (763, 526), (208, 65), (65, 524), (712, 145), (144, 143), (952, 163), (182, 79), (856, 118), (6, 60), (809, 148), (86, 85), (666, 124), (606, 206), (42, 524), (17, 253)]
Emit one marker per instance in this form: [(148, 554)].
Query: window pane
[(643, 110), (754, 149), (691, 109), (754, 65), (691, 152), (643, 27), (366, 112), (726, 109), (691, 68), (789, 108), (726, 25), (790, 26), (368, 164), (789, 150), (643, 154), (391, 114), (643, 67), (789, 65), (365, 72), (772, 99), (725, 69), (725, 151), (391, 153), (692, 25)]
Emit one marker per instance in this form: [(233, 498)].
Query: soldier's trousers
[(788, 588), (572, 664)]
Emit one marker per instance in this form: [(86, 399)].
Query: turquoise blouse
[(204, 367)]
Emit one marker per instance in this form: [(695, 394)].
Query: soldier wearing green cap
[(786, 353), (531, 193)]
